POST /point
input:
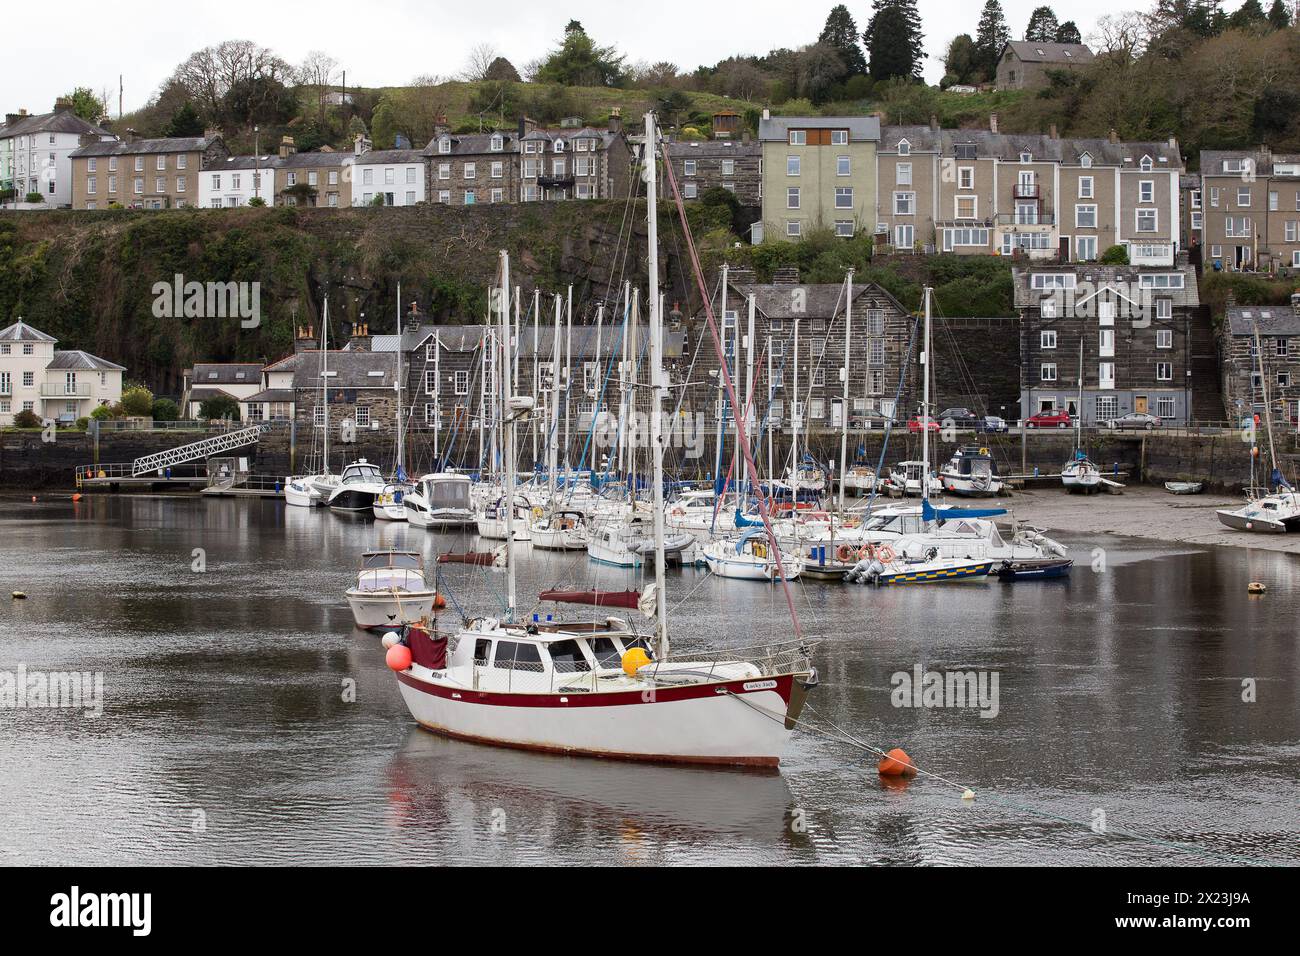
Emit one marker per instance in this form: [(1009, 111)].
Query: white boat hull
[(301, 494), (559, 539), (694, 724), (373, 610)]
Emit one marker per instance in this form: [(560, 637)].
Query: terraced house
[(1250, 205), (143, 173), (1104, 341), (980, 192), (1261, 361), (819, 172), (35, 153), (731, 164), (569, 163), (389, 177), (467, 169)]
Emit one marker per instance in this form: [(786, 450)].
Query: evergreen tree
[(894, 40), (960, 62), (1068, 32), (1279, 17), (1249, 14), (1042, 26), (185, 122), (990, 37), (841, 33), (580, 62)]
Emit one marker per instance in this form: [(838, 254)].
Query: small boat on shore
[(1183, 487), (1272, 514), (390, 590), (1032, 569), (971, 473)]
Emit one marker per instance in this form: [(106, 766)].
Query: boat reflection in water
[(473, 793)]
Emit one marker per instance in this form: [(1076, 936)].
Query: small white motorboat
[(860, 480), (905, 479), (895, 570), (1277, 513), (561, 530), (491, 520), (390, 504), (750, 558), (390, 590), (302, 492), (1183, 487), (440, 500), (972, 473)]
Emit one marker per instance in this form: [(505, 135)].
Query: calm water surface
[(226, 737)]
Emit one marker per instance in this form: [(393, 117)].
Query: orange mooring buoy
[(77, 496), (896, 764), (439, 602)]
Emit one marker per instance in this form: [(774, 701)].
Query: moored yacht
[(971, 473), (1278, 513), (390, 590), (358, 487), (561, 530), (440, 500)]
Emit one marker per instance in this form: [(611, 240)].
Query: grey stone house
[(1276, 371), (1024, 64), (1130, 330), (734, 165)]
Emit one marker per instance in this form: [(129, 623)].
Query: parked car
[(1059, 418), (960, 417), (914, 426), (991, 424), (1135, 420)]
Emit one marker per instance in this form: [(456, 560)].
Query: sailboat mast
[(925, 403), (324, 381), (749, 382), (568, 376), (397, 387), (553, 423), (600, 375), (1268, 414), (796, 419), (844, 409), (508, 426), (658, 386)]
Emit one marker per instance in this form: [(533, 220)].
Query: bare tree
[(318, 71), (209, 73), (1121, 37), (479, 62)]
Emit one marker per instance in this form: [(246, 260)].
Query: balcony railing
[(1026, 219), (1025, 190), (58, 390), (555, 182)]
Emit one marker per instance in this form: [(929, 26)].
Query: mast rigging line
[(741, 438)]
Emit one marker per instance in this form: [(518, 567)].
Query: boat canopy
[(931, 513), (392, 559)]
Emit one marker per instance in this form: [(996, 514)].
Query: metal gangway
[(199, 449)]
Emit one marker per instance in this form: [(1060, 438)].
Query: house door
[(1072, 406), (1242, 256), (1140, 404), (837, 413), (1065, 248)]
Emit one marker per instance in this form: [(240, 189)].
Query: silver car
[(1135, 420)]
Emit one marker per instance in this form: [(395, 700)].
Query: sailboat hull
[(696, 724)]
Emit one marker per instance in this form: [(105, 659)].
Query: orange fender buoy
[(398, 657), (77, 496), (896, 764), (439, 602)]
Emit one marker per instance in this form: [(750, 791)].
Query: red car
[(1059, 418), (914, 426)]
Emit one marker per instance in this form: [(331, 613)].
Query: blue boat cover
[(930, 513)]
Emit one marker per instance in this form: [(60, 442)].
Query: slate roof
[(473, 144), (381, 157), (77, 360), (1212, 160), (272, 395), (225, 373), (1028, 51), (1271, 319), (714, 149), (822, 301), (860, 128), (20, 331), (183, 144), (1042, 148), (61, 121), (346, 370), (1105, 275)]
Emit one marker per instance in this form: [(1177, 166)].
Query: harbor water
[(1145, 709)]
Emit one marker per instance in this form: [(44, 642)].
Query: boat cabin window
[(482, 647), (448, 494), (361, 474), (515, 654), (606, 652), (385, 560), (567, 657), (631, 642)]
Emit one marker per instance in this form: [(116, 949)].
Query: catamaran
[(601, 688)]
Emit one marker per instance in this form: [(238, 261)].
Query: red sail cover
[(474, 557), (624, 599)]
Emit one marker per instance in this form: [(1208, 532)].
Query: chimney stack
[(767, 113), (11, 118), (359, 341), (287, 147), (305, 340), (1114, 135), (1052, 132), (993, 122), (934, 123), (63, 105), (211, 133), (616, 120), (360, 145), (132, 136)]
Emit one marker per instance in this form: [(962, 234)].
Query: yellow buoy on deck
[(633, 658), (1256, 587), (20, 596)]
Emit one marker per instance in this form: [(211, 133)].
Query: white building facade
[(34, 155), (396, 175), (52, 384)]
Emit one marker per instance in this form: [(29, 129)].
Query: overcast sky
[(388, 43)]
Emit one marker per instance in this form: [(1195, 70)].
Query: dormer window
[(497, 144), (444, 144), (559, 145), (904, 148), (1085, 160), (1146, 164), (1026, 157)]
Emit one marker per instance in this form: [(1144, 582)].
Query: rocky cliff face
[(88, 278)]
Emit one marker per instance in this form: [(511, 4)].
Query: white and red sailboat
[(602, 688)]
